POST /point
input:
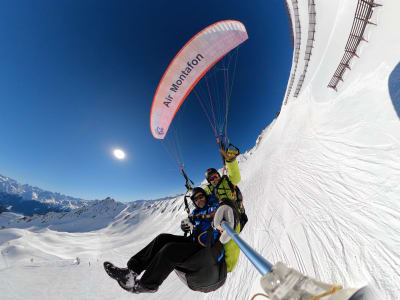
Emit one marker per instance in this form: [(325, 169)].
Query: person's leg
[(140, 261), (167, 258)]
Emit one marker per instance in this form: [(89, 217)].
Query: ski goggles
[(213, 177), (198, 197)]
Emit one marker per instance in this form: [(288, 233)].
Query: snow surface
[(321, 189)]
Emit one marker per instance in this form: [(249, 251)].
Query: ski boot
[(123, 275), (136, 287)]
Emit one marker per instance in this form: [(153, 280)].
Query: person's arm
[(208, 190), (233, 171)]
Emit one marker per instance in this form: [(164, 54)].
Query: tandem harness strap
[(188, 187), (209, 232)]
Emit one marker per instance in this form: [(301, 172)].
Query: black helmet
[(197, 190), (210, 172)]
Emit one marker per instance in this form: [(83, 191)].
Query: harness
[(236, 202), (231, 188), (198, 220), (204, 216)]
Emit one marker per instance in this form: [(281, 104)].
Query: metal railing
[(297, 47), (310, 44), (362, 18), (290, 24)]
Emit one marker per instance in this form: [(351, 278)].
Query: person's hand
[(186, 225), (230, 155)]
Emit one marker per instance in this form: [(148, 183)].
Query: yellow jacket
[(222, 191)]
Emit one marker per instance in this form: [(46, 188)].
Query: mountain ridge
[(32, 193)]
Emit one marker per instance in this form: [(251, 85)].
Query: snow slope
[(321, 187)]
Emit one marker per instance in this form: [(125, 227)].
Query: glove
[(186, 225), (230, 155), (224, 214)]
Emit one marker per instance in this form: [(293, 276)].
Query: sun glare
[(119, 154)]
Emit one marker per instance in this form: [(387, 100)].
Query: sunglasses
[(198, 197), (213, 177)]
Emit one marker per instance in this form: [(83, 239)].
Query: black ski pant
[(161, 256)]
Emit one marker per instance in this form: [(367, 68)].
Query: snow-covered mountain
[(31, 193), (115, 221), (15, 203), (321, 186), (95, 215), (29, 200)]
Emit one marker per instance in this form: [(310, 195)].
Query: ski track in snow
[(321, 189)]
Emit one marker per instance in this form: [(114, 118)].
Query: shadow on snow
[(394, 88)]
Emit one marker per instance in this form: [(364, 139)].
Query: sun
[(119, 154)]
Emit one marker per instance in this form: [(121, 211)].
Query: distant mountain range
[(15, 203), (95, 215), (29, 200)]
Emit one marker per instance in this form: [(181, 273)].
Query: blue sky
[(77, 79)]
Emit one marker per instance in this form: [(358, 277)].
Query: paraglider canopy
[(202, 52)]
